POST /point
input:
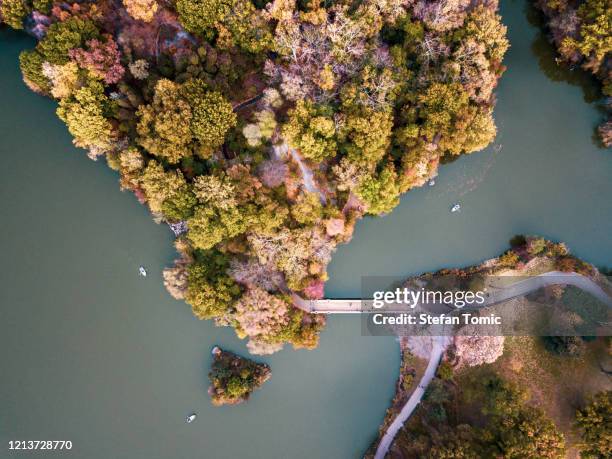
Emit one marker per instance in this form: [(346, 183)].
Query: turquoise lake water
[(94, 354)]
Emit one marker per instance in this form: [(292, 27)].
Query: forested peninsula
[(507, 395), (261, 131)]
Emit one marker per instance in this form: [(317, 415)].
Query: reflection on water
[(558, 70), (546, 55)]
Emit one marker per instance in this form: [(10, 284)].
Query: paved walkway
[(415, 398), (496, 295)]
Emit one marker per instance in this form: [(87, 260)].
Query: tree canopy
[(262, 131), (595, 424)]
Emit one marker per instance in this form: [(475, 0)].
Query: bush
[(571, 346), (445, 371), (509, 259), (407, 381)]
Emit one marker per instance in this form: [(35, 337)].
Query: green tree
[(87, 113), (220, 215), (475, 129), (237, 387), (484, 25), (200, 16), (131, 165), (441, 105), (54, 48), (595, 424), (160, 185), (210, 290), (380, 193), (595, 41), (244, 27), (308, 209), (234, 378), (509, 259), (183, 119), (529, 434), (216, 190), (180, 204), (209, 226), (445, 371), (460, 443), (13, 12), (365, 135), (212, 115), (164, 126), (63, 36), (515, 430), (44, 6), (30, 62), (311, 130)]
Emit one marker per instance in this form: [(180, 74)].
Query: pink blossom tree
[(102, 59)]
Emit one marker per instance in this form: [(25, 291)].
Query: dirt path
[(282, 150)]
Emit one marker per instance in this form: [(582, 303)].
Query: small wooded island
[(234, 378)]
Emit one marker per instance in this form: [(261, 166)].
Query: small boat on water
[(456, 207), (192, 417), (432, 182), (142, 272)]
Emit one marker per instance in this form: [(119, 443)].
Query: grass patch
[(557, 384)]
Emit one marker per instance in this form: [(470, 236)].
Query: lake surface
[(92, 353)]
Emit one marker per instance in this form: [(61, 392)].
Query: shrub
[(445, 371), (571, 346)]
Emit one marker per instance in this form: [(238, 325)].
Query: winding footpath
[(497, 295), (415, 398), (504, 293)]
